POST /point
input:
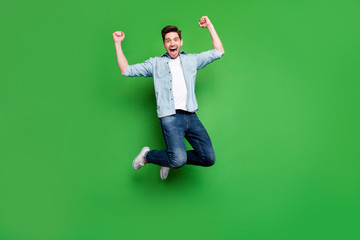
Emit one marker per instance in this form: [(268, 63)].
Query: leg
[(173, 128), (203, 153)]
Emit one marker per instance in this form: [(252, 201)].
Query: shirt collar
[(167, 55)]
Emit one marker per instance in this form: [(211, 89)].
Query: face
[(172, 44)]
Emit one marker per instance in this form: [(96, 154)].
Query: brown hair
[(168, 29)]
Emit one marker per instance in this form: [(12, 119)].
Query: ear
[(164, 44), (181, 42)]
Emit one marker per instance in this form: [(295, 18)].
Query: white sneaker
[(164, 172), (138, 163)]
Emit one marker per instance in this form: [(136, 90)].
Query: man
[(174, 76)]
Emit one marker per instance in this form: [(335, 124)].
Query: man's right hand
[(118, 36)]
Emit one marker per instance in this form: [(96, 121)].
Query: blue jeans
[(175, 128)]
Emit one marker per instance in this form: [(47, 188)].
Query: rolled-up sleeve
[(144, 69), (207, 57)]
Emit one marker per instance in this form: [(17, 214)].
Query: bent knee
[(178, 161), (177, 164), (209, 159)]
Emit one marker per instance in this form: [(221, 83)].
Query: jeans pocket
[(167, 120)]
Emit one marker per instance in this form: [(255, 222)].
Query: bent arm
[(205, 22), (135, 70)]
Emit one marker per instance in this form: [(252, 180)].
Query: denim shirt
[(158, 68)]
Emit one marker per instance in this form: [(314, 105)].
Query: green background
[(281, 107)]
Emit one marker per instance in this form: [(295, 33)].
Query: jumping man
[(174, 76)]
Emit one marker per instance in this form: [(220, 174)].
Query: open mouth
[(173, 50)]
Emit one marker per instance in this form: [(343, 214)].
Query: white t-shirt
[(178, 84)]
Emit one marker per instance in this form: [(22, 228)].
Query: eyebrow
[(170, 38)]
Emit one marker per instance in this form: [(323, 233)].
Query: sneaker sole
[(164, 173), (142, 152)]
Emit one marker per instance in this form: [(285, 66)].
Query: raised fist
[(118, 36), (204, 22)]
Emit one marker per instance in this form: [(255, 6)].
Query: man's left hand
[(204, 22)]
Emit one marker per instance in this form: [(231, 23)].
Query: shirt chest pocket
[(189, 65), (161, 70), (190, 68), (190, 71)]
